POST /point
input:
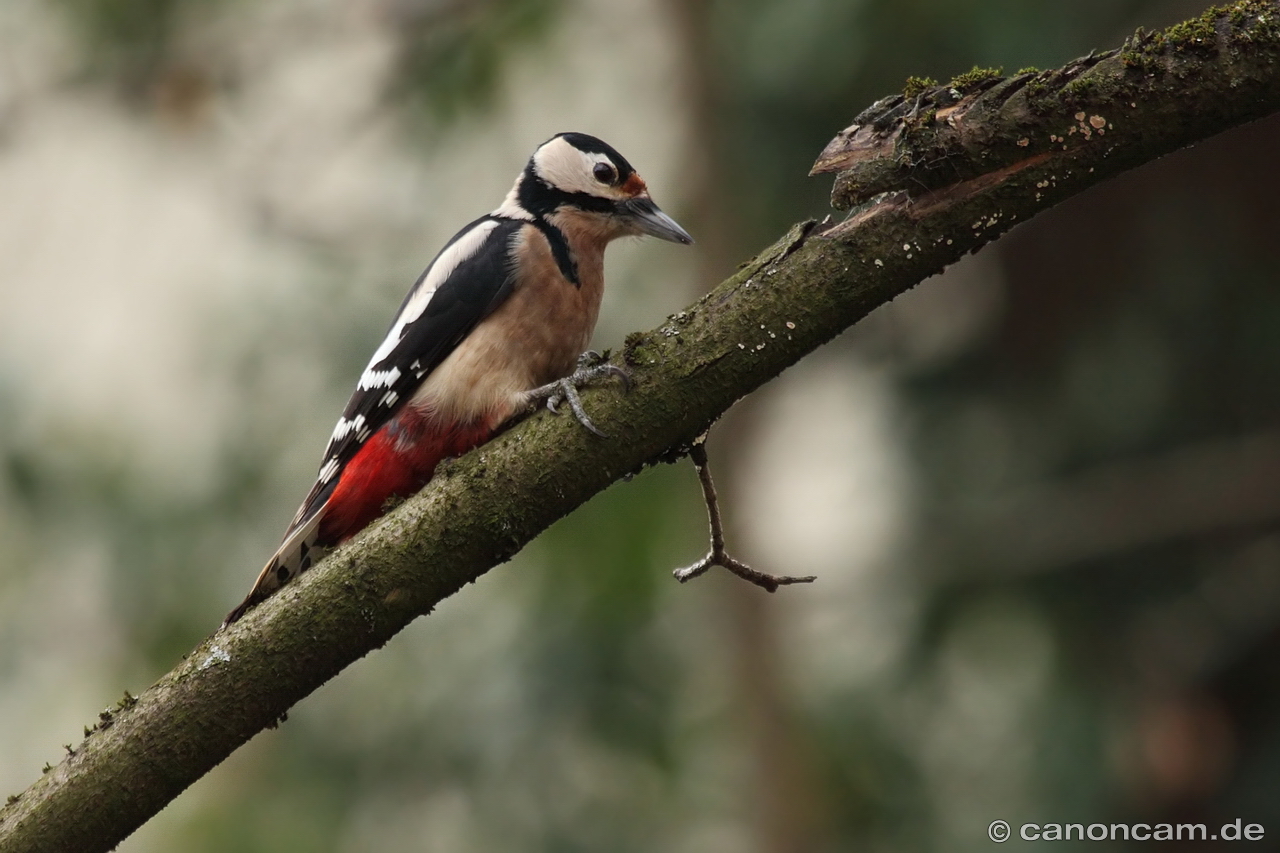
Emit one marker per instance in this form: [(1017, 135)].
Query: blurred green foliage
[(133, 43), (454, 53)]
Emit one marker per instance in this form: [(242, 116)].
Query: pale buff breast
[(533, 338)]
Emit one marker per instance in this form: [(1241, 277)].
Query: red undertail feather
[(395, 462)]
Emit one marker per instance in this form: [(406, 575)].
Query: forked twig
[(718, 556)]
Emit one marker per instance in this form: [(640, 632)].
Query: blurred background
[(1041, 491)]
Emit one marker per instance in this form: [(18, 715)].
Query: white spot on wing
[(371, 378), (345, 427), (330, 468)]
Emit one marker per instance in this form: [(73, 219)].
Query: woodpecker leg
[(589, 370), (718, 556)]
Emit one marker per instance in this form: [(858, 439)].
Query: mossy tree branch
[(933, 177)]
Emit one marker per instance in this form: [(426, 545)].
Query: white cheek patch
[(510, 207), (566, 168)]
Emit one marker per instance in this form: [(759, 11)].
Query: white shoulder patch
[(438, 273)]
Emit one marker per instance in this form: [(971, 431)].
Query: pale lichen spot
[(217, 655)]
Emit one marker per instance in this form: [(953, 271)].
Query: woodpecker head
[(573, 175)]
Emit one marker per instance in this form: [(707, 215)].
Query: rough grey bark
[(934, 176)]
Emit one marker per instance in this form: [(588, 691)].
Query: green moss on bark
[(917, 85), (974, 78)]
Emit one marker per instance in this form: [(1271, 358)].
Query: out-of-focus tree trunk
[(777, 800)]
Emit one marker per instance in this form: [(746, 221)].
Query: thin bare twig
[(718, 556)]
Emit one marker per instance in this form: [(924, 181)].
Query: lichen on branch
[(1092, 114)]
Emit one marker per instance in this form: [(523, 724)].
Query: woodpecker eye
[(604, 173)]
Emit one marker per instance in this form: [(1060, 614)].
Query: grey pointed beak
[(649, 219)]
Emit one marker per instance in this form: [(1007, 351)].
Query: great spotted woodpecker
[(493, 326)]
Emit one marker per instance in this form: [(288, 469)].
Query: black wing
[(467, 280)]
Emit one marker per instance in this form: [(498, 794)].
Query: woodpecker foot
[(718, 556), (590, 369)]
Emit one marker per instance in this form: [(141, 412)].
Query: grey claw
[(575, 403), (566, 389), (614, 370), (586, 422)]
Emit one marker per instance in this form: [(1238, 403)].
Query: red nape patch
[(396, 461), (633, 185)]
